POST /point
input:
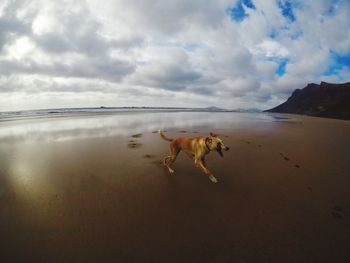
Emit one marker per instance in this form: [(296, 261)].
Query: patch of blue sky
[(274, 33), (339, 62), (248, 4), (285, 31), (237, 12), (333, 7), (286, 9), (296, 35), (190, 47), (282, 63), (281, 70)]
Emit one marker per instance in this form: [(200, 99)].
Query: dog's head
[(214, 143)]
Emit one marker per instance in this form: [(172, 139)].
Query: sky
[(199, 53)]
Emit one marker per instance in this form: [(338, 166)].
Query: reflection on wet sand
[(71, 128)]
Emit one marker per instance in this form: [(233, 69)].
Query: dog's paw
[(213, 179), (171, 171)]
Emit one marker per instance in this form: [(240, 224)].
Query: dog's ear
[(213, 134)]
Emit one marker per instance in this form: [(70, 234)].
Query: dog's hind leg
[(166, 161), (170, 159)]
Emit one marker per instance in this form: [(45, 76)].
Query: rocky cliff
[(323, 100)]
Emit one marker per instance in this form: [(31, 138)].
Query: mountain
[(214, 108), (249, 110), (323, 100)]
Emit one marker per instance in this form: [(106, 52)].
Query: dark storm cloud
[(54, 43), (173, 77), (201, 90), (169, 17), (11, 28), (100, 68), (78, 34), (88, 43)]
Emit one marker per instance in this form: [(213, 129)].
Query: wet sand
[(283, 194)]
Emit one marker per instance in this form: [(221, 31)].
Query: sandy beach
[(92, 189)]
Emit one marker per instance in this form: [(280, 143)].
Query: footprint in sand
[(158, 163), (297, 166), (284, 157), (248, 142), (259, 145), (157, 131), (309, 188), (148, 156), (337, 212), (138, 135), (338, 208), (183, 131), (134, 145)]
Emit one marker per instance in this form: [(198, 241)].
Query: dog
[(196, 148)]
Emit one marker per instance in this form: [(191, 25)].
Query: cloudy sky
[(226, 53)]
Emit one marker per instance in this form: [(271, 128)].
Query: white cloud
[(270, 48), (22, 47)]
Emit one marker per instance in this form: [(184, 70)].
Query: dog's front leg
[(200, 162)]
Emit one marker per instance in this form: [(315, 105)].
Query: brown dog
[(196, 148)]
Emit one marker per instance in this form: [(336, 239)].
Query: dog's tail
[(163, 136)]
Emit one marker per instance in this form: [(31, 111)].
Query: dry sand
[(283, 196)]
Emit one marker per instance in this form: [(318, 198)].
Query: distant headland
[(327, 100)]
